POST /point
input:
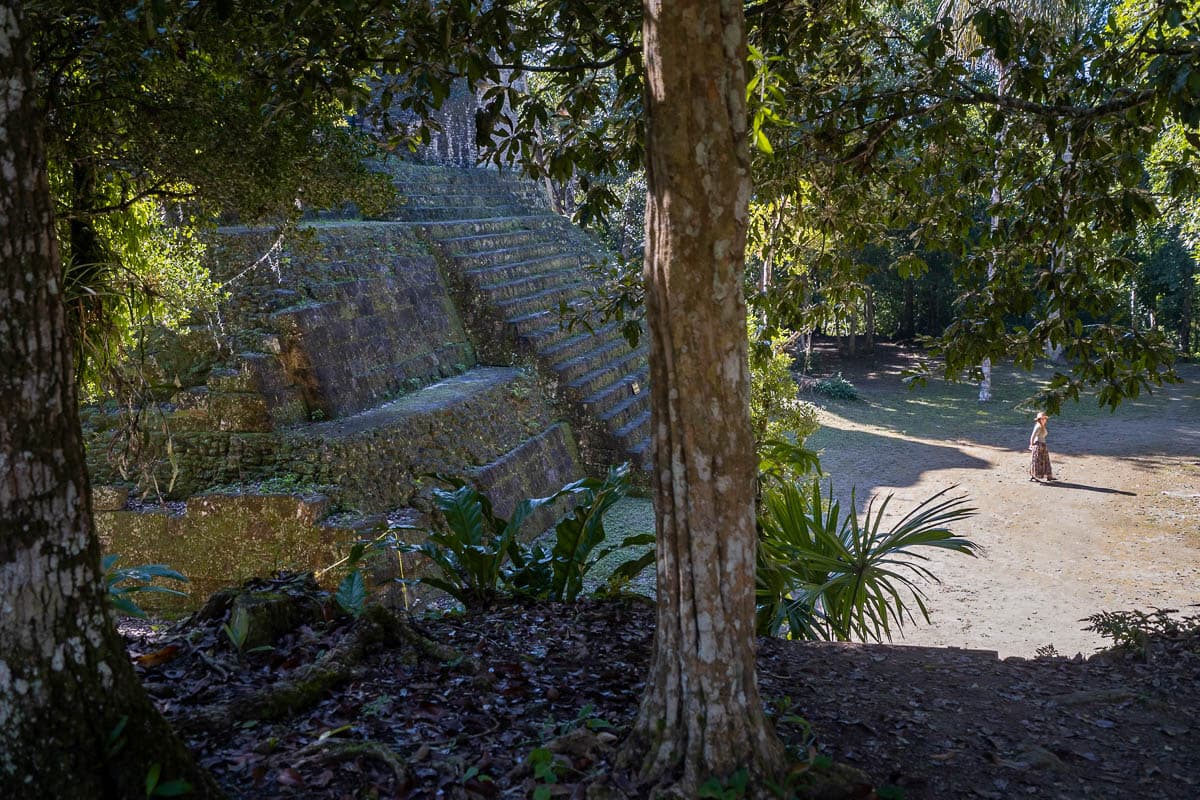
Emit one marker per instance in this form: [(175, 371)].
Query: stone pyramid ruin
[(350, 362)]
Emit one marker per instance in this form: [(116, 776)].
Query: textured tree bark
[(701, 715), (74, 721)]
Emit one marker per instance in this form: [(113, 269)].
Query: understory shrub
[(835, 387), (781, 421), (1133, 630), (479, 555), (827, 575)]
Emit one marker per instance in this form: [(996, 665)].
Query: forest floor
[(538, 695), (541, 694)]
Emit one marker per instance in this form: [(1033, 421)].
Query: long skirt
[(1039, 464)]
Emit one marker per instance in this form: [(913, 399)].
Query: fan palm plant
[(827, 575)]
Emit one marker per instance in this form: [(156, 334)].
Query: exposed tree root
[(377, 626), (804, 781), (337, 749)]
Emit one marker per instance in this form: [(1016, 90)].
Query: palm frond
[(828, 575)]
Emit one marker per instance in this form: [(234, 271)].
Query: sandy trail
[(1120, 531)]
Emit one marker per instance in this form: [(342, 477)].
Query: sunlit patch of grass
[(945, 410)]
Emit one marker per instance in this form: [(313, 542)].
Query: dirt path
[(1120, 531)]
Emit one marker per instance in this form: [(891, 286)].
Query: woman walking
[(1039, 461)]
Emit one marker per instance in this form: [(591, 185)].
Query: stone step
[(504, 255), (412, 178), (642, 454), (515, 270), (449, 229), (526, 266), (635, 430), (577, 366), (518, 237), (541, 329), (579, 341), (454, 213), (413, 174), (534, 468), (377, 456), (625, 410), (471, 243), (529, 286), (609, 397), (468, 198), (621, 367), (519, 307)]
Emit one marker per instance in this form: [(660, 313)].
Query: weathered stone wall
[(355, 313), (372, 463), (454, 144), (377, 459), (336, 378)]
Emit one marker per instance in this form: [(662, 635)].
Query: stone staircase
[(519, 264), (353, 360)]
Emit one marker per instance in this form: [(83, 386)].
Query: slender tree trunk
[(985, 383), (701, 715), (1188, 288), (869, 322), (852, 333), (908, 327), (765, 279), (74, 721)]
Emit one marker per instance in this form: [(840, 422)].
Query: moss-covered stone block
[(178, 358), (239, 411), (267, 615), (109, 498), (221, 539)]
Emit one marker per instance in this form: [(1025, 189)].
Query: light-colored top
[(1039, 434)]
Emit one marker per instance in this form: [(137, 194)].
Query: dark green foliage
[(783, 460), (162, 115), (1166, 286), (156, 787), (869, 121), (122, 582), (351, 593), (1028, 191), (470, 552), (615, 295), (733, 788), (557, 573), (826, 575), (480, 556), (238, 628), (836, 387)]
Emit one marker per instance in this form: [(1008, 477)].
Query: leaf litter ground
[(922, 722)]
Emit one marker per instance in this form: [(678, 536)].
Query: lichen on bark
[(65, 682), (701, 716)]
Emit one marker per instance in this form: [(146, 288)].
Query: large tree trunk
[(701, 715), (74, 721)]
